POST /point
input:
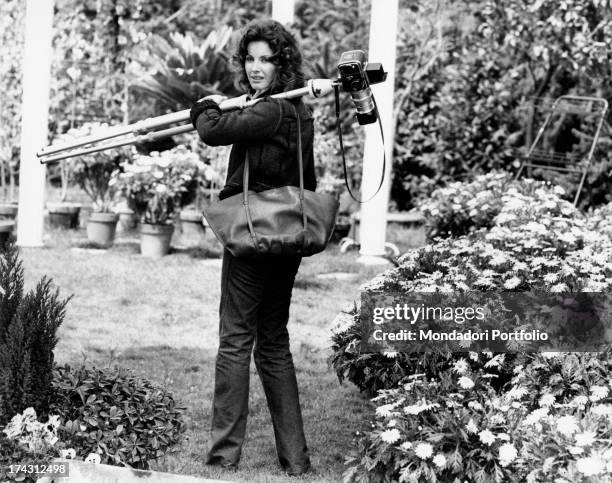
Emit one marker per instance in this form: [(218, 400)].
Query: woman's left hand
[(218, 98)]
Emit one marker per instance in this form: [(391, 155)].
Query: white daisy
[(598, 392), (585, 439), (465, 382), (512, 283), (487, 437), (461, 366), (507, 454), (390, 436), (567, 425), (423, 450), (439, 460), (590, 466), (547, 400)]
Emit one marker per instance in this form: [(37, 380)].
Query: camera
[(356, 75)]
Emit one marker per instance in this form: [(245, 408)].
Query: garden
[(108, 333)]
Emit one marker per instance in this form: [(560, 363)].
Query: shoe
[(219, 461), (298, 470)]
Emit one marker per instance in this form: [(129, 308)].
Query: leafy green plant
[(478, 106), (180, 70), (28, 328), (123, 418)]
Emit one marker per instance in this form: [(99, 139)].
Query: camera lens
[(356, 85)]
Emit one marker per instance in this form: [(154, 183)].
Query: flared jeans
[(254, 311)]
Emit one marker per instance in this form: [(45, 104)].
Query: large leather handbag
[(288, 220)]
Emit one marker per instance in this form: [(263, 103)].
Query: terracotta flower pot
[(127, 220), (190, 230), (101, 228), (155, 240), (64, 215), (6, 228), (8, 211)]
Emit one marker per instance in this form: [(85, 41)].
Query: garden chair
[(557, 144)]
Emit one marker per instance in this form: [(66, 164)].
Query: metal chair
[(594, 108)]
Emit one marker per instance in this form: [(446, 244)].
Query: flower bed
[(488, 417), (106, 415)]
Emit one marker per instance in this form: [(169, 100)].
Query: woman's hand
[(218, 98)]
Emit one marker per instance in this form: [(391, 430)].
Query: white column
[(283, 11), (383, 33), (35, 114)]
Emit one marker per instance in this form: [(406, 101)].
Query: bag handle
[(245, 180)]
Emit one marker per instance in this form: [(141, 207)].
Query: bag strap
[(245, 179), (382, 176)]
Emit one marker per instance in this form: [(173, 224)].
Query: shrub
[(464, 207), (28, 327), (125, 419), (434, 431), (537, 242), (371, 371), (457, 427)]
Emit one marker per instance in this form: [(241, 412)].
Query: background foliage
[(471, 75)]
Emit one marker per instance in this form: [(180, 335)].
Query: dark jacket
[(268, 131)]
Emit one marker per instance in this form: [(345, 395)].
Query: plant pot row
[(155, 240)]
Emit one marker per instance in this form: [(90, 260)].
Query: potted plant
[(93, 172), (8, 209), (64, 214), (9, 167), (190, 228), (156, 186)]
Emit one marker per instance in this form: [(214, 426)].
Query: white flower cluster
[(29, 432)]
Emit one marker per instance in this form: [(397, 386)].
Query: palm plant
[(181, 71)]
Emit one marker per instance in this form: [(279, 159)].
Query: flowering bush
[(537, 242), (93, 172), (600, 220), (159, 184), (462, 208), (457, 426), (452, 427), (490, 417), (371, 372)]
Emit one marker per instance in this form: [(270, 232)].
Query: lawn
[(160, 319)]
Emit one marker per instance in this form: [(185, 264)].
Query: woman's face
[(259, 69)]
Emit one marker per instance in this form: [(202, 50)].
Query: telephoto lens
[(355, 82)]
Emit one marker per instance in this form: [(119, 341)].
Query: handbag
[(288, 220)]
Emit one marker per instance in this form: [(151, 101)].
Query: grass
[(159, 318)]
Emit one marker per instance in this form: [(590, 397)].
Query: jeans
[(254, 311)]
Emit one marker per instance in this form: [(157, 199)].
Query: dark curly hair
[(285, 55)]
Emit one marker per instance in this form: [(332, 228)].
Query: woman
[(256, 292)]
